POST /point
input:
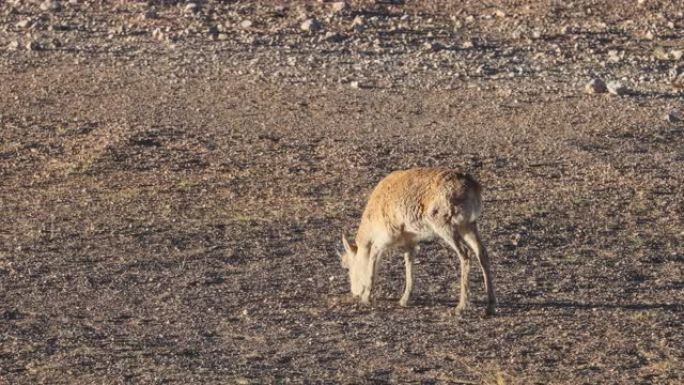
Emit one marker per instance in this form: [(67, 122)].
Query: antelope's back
[(406, 195)]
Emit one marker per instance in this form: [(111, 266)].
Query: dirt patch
[(175, 185)]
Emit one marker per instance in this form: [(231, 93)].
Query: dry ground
[(171, 221)]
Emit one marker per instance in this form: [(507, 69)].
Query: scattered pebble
[(50, 5), (33, 45), (417, 41), (334, 37), (674, 116), (310, 25), (338, 6), (596, 86), (150, 14), (24, 24), (676, 54), (617, 88), (433, 46), (358, 24), (660, 54), (614, 56), (191, 8)]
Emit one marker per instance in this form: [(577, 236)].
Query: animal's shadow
[(514, 306)]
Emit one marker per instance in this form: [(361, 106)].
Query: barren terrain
[(175, 180)]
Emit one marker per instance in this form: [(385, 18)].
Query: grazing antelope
[(416, 205)]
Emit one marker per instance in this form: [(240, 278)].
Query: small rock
[(23, 24), (213, 31), (649, 35), (50, 5), (617, 88), (33, 46), (158, 34), (596, 86), (223, 36), (310, 25), (467, 44), (674, 116), (677, 76), (355, 84), (246, 24), (485, 70), (433, 46), (150, 14), (334, 37), (614, 56), (13, 45), (191, 8), (660, 54), (358, 24), (677, 54), (338, 6), (280, 11)]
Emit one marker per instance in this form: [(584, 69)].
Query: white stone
[(617, 88), (23, 24), (191, 8), (310, 25), (50, 5), (358, 22), (338, 6), (33, 45)]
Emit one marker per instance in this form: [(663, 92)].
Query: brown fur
[(416, 205)]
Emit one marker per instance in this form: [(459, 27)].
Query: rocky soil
[(176, 177)]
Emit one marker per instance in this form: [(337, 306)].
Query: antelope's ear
[(347, 247)]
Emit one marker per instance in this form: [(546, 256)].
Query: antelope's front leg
[(371, 272)]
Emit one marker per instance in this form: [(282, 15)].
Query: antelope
[(411, 206)]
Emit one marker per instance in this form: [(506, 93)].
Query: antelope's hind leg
[(408, 286), (471, 236)]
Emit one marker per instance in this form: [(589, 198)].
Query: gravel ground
[(176, 178)]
